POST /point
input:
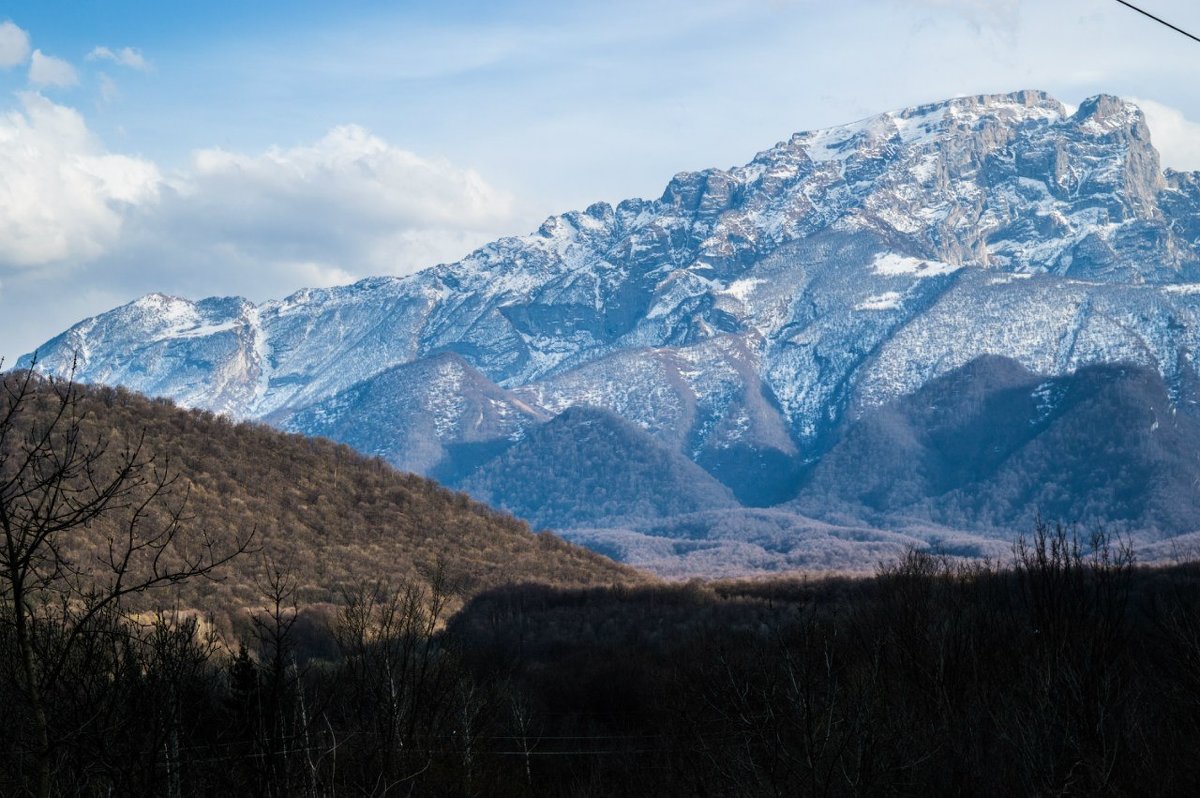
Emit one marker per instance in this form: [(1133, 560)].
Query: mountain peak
[(158, 301), (1105, 113), (1029, 99), (920, 123)]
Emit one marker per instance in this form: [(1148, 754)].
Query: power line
[(1159, 20)]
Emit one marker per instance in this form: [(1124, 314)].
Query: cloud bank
[(62, 197), (106, 224), (349, 199)]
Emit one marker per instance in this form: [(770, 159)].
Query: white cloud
[(46, 70), (350, 201), (14, 45), (61, 196), (78, 222), (345, 206), (1176, 137), (126, 56)]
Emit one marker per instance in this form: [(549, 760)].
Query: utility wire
[(1159, 20)]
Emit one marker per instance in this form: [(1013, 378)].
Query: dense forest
[(150, 646), (1068, 671)]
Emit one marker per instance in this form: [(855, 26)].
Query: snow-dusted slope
[(408, 413), (746, 311)]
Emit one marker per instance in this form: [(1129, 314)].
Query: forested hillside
[(588, 466), (993, 445), (332, 517)]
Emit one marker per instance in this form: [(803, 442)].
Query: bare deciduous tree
[(86, 522)]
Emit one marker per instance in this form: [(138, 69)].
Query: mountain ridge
[(746, 316)]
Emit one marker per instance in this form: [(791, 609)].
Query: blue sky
[(256, 148)]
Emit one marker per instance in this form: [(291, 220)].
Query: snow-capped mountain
[(742, 318)]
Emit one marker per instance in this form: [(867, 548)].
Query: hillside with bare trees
[(330, 516)]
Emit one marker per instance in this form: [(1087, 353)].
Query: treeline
[(1066, 671)]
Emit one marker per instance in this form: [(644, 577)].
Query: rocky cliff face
[(741, 318)]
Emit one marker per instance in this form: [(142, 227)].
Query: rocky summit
[(748, 320)]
